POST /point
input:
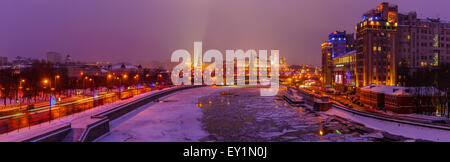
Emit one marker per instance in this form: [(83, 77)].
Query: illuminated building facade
[(344, 72), (327, 64), (423, 42), (389, 46), (341, 43), (376, 37)]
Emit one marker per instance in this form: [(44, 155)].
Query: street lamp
[(137, 83), (20, 87), (44, 84), (108, 78)]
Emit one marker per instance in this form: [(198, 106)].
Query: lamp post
[(91, 83), (84, 84), (56, 85), (125, 76), (108, 79), (118, 79), (45, 82), (20, 87), (137, 83)]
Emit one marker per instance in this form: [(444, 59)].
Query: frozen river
[(175, 118), (226, 114)]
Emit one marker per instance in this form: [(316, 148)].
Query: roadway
[(46, 113)]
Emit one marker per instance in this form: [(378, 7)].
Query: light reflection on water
[(258, 116)]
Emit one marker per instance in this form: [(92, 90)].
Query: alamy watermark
[(257, 68)]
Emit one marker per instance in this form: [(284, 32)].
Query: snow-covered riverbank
[(174, 118)]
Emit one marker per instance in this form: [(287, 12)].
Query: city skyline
[(149, 30), (203, 73)]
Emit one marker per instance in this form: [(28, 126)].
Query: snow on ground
[(224, 114), (176, 118), (406, 130), (26, 133)]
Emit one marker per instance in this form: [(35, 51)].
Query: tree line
[(42, 79)]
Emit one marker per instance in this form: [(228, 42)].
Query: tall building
[(3, 60), (338, 45), (54, 57), (376, 46), (341, 43), (391, 46), (327, 65)]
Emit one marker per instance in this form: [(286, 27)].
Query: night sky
[(139, 31)]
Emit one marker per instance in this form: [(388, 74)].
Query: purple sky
[(139, 31)]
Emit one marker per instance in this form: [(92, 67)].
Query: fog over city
[(141, 31)]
